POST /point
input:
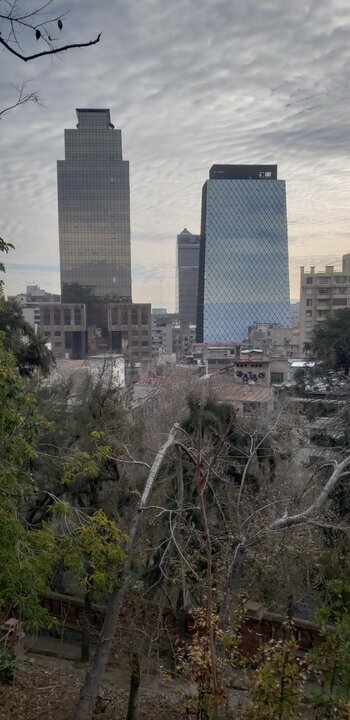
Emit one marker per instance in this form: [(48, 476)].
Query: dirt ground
[(47, 688)]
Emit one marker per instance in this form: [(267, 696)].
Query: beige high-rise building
[(320, 294)]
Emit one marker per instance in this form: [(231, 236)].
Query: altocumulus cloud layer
[(189, 83)]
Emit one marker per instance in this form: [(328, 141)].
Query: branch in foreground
[(340, 470), (23, 97), (95, 675), (53, 51)]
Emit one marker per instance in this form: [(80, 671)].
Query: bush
[(7, 666)]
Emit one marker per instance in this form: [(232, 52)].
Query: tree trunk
[(95, 674), (85, 636), (201, 485), (233, 585), (182, 596), (134, 693)]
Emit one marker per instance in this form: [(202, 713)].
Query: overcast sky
[(190, 83)]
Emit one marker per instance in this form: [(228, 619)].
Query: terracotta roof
[(246, 393), (150, 381)]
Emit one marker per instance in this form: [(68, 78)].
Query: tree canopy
[(330, 343), (19, 337)]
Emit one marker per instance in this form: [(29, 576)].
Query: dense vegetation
[(191, 507)]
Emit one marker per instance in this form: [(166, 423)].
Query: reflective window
[(244, 275), (67, 316), (77, 316), (94, 212), (46, 316)]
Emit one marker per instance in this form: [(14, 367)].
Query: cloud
[(189, 84)]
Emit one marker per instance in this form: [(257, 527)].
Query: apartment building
[(274, 338), (30, 302), (320, 294), (162, 331)]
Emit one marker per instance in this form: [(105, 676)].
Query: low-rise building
[(247, 399), (31, 300), (64, 328), (128, 330), (247, 363), (274, 338)]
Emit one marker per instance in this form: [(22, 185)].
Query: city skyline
[(184, 102)]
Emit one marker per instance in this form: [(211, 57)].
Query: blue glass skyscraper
[(243, 267)]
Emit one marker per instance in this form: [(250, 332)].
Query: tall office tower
[(94, 212), (243, 268), (187, 276)]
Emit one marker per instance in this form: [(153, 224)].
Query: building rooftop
[(244, 393), (243, 172), (89, 117)]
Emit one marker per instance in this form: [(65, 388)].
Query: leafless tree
[(246, 524), (22, 26), (23, 96)]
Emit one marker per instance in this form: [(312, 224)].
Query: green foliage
[(26, 555), (304, 377), (330, 343), (93, 550), (75, 461), (330, 661), (18, 336), (7, 666), (277, 685), (81, 464), (4, 247), (214, 417), (319, 409), (28, 348)]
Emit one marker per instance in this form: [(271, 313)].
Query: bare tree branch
[(98, 665), (52, 51), (317, 506), (37, 24), (23, 97)]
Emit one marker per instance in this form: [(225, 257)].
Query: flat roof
[(243, 172)]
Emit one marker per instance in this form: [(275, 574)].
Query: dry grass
[(48, 689)]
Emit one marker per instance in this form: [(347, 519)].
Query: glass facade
[(244, 253), (187, 276), (94, 212)]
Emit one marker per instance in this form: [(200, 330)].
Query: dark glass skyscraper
[(243, 274), (94, 212), (187, 276)]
